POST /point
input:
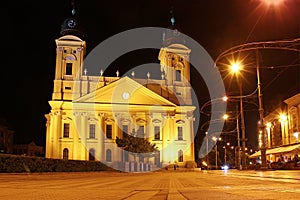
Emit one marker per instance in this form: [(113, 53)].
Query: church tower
[(174, 60), (70, 52)]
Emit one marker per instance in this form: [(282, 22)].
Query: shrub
[(17, 164)]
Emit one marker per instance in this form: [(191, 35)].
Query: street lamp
[(216, 148), (284, 130), (285, 45), (225, 116), (236, 67), (261, 118), (225, 152)]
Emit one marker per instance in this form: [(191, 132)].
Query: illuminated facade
[(89, 112), (282, 130), (283, 125)]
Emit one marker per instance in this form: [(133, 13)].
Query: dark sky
[(29, 30)]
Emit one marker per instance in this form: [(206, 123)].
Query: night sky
[(29, 30)]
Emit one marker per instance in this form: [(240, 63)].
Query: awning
[(285, 149), (255, 155)]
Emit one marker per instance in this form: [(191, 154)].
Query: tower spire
[(172, 19), (73, 7)]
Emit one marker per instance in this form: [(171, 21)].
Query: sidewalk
[(273, 174)]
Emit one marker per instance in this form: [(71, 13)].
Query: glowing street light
[(282, 117), (225, 98), (236, 67), (268, 128), (216, 140), (283, 121), (225, 116)]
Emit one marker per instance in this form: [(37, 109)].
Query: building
[(89, 112), (6, 139), (282, 131), (30, 149)]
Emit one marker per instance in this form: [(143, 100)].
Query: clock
[(125, 95), (71, 23)]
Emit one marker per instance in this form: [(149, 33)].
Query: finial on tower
[(73, 7), (172, 19)]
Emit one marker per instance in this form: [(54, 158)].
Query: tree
[(135, 145)]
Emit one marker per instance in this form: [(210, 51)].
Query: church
[(89, 112)]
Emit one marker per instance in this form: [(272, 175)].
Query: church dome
[(70, 26)]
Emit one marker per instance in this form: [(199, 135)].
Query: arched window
[(66, 153), (180, 156), (108, 155), (92, 155)]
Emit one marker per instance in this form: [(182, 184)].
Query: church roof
[(126, 91)]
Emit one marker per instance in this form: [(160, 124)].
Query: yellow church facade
[(89, 112)]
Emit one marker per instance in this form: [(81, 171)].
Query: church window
[(178, 75), (180, 156), (124, 130), (108, 155), (66, 130), (141, 132), (180, 136), (108, 131), (92, 154), (66, 154), (157, 158), (69, 68), (156, 132), (126, 156), (92, 131)]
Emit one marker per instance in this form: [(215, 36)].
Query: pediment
[(125, 91)]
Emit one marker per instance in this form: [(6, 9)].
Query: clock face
[(125, 95), (71, 23)]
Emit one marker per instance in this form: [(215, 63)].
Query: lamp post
[(235, 68), (261, 118), (238, 162), (225, 152), (286, 45), (216, 149)]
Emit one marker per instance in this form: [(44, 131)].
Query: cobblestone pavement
[(160, 185)]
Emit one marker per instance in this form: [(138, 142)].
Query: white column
[(76, 143), (100, 143), (57, 134), (49, 140), (83, 135)]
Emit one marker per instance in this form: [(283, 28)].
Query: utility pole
[(238, 162), (216, 154), (242, 128), (261, 118)]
